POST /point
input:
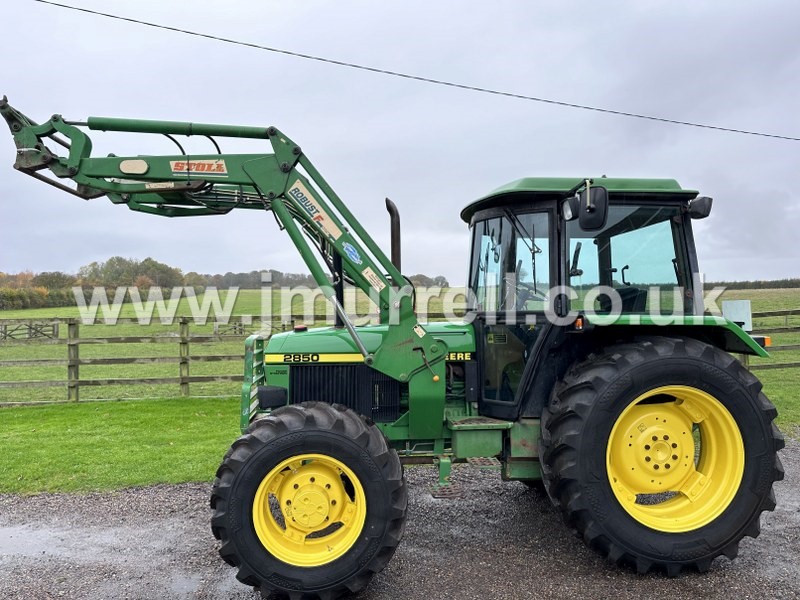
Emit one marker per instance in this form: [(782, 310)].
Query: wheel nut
[(666, 466), (647, 458), (666, 437), (647, 446), (655, 467), (655, 438), (674, 457)]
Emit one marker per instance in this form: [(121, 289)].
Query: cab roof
[(532, 189)]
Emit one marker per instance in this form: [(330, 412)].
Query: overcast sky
[(431, 149)]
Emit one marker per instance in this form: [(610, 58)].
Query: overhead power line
[(441, 82)]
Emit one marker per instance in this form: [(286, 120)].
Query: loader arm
[(283, 181)]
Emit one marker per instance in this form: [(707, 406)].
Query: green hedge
[(38, 297)]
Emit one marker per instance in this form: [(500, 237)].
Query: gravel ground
[(500, 540)]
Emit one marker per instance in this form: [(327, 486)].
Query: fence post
[(73, 360), (745, 360), (184, 356)]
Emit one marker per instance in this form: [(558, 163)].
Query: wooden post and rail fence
[(47, 331), (27, 331)]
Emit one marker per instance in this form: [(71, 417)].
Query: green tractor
[(586, 362)]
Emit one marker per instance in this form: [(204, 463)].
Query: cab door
[(511, 276)]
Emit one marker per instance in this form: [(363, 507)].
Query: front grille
[(359, 387)]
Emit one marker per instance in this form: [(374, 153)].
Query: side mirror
[(700, 207), (593, 208), (569, 208)]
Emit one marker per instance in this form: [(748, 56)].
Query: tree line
[(756, 285), (55, 288)]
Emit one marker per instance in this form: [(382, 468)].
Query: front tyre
[(661, 453), (309, 503)]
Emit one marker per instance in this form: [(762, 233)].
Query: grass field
[(782, 386), (253, 303), (105, 445), (108, 445)]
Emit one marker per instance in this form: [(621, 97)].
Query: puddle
[(184, 584), (27, 541), (101, 544)]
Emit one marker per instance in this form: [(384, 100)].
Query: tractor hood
[(459, 337)]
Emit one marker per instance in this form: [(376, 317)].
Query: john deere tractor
[(586, 362)]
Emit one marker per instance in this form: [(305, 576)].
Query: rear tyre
[(309, 503), (661, 453)]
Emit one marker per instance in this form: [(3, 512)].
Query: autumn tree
[(54, 280)]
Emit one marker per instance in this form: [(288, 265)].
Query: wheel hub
[(660, 451), (655, 445), (310, 506)]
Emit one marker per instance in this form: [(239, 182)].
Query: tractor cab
[(546, 251)]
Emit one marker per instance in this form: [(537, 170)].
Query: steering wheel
[(523, 291), (527, 291)]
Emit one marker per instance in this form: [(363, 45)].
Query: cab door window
[(510, 276), (511, 263)]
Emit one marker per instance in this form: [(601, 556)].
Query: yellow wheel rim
[(675, 458), (309, 510)]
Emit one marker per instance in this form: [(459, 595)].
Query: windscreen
[(510, 266)]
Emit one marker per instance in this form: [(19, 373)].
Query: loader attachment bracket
[(33, 155)]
